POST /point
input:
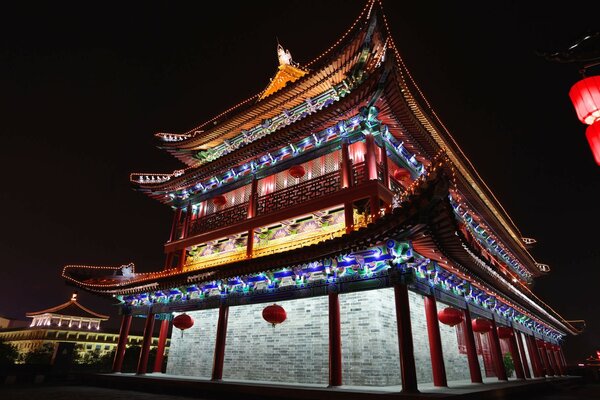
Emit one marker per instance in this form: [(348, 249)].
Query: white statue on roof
[(284, 56)]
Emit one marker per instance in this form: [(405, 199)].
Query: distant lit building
[(68, 322)]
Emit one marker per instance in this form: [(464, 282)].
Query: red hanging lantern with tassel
[(274, 314), (585, 96), (592, 133), (183, 322), (481, 325), (219, 200), (450, 316), (297, 171)]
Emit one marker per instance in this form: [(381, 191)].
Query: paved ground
[(47, 392), (79, 392)]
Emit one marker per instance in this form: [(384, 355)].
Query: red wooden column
[(184, 234), (371, 157), (541, 348), (122, 345), (435, 342), (346, 182), (384, 164), (371, 166), (514, 354), (562, 357), (219, 358), (522, 353), (346, 168), (162, 340), (497, 352), (405, 340), (551, 359), (557, 362), (172, 237), (147, 341), (252, 204), (335, 341), (474, 369), (534, 356)]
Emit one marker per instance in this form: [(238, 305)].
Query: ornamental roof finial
[(284, 56)]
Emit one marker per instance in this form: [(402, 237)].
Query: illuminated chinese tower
[(337, 194)]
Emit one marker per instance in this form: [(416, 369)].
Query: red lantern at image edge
[(450, 316), (274, 314), (504, 332), (592, 133), (219, 200), (585, 96), (297, 171), (481, 325), (183, 322)]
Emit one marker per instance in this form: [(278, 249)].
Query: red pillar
[(384, 164), (551, 359), (219, 358), (474, 369), (252, 209), (176, 219), (335, 341), (371, 157), (514, 354), (346, 168), (147, 341), (162, 340), (522, 353), (172, 237), (557, 362), (252, 198), (405, 339), (534, 356), (346, 182), (541, 348), (435, 342), (562, 357), (497, 352), (122, 345)]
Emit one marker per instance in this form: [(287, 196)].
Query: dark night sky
[(83, 90)]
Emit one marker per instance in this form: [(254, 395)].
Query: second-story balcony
[(306, 196)]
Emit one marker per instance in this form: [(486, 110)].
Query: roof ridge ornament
[(284, 56)]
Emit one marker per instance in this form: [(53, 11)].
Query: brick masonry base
[(296, 351)]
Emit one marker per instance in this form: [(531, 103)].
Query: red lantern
[(481, 325), (450, 316), (274, 314), (297, 171), (585, 96), (504, 332), (183, 322), (219, 200), (402, 174), (592, 133)]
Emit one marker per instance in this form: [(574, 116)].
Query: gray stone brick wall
[(369, 338), (192, 353), (297, 350), (457, 364)]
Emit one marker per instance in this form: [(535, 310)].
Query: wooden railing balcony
[(298, 194), (227, 216), (280, 200)]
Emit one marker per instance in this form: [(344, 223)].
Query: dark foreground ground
[(75, 392)]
